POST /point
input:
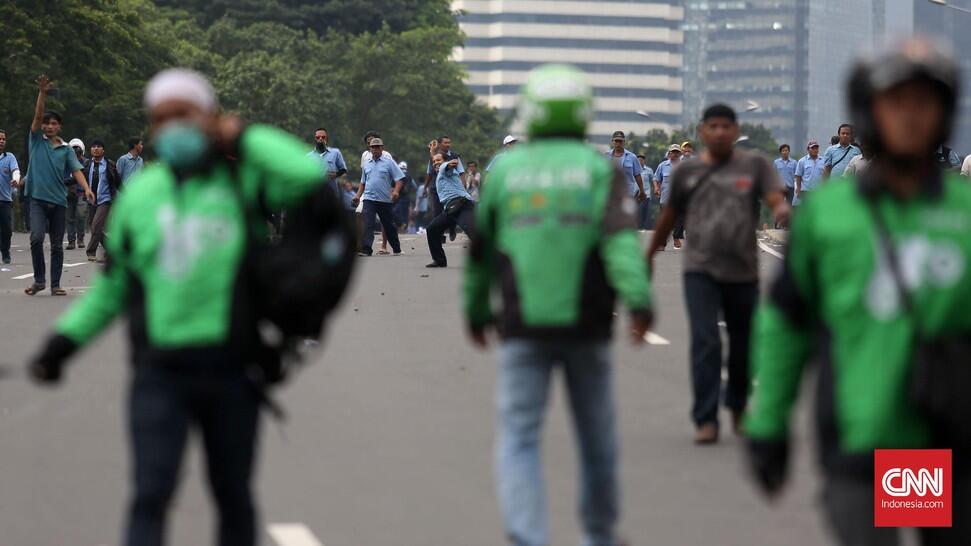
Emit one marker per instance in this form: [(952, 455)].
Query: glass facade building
[(630, 49)]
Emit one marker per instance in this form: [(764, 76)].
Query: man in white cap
[(507, 143), (50, 159), (381, 181), (178, 268), (662, 189), (77, 207)]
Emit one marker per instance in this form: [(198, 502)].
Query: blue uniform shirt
[(104, 189), (630, 166), (811, 171), (8, 164), (787, 170), (128, 165), (449, 184), (48, 163), (663, 177), (379, 178), (332, 160), (839, 158)]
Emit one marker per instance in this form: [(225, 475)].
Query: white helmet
[(77, 143), (403, 166)]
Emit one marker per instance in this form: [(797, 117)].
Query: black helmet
[(913, 60)]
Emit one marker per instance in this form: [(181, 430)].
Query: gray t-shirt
[(722, 214)]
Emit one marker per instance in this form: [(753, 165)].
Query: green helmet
[(557, 101)]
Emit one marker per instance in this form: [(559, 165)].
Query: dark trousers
[(678, 232), (47, 218), (464, 217), (98, 228), (6, 228), (645, 215), (848, 505), (77, 213), (705, 298), (25, 210), (385, 213), (164, 402), (438, 208)]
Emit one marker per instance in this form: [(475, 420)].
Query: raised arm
[(44, 85)]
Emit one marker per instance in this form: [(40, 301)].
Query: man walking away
[(865, 284), (662, 188), (719, 193), (457, 208), (50, 158), (838, 156), (132, 162), (105, 183), (555, 233), (9, 180), (380, 187)]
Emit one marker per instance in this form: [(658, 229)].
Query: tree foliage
[(349, 65)]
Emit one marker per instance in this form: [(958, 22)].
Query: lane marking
[(653, 339), (292, 534), (770, 251), (29, 275)]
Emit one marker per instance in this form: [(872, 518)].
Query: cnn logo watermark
[(912, 488)]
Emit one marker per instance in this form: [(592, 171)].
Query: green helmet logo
[(556, 101)]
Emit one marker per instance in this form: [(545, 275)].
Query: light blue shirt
[(662, 175), (630, 166), (8, 164), (811, 172), (379, 178), (839, 158), (449, 184), (128, 165), (787, 170), (104, 188), (332, 160), (647, 174)]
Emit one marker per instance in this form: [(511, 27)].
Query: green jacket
[(175, 248), (836, 290), (555, 231)]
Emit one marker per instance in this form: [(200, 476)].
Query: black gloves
[(769, 463), (48, 365)]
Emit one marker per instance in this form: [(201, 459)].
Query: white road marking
[(292, 534), (28, 275), (653, 339), (770, 251)]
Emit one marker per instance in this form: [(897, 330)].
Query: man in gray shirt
[(718, 195)]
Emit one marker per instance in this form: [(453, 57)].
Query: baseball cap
[(812, 143), (674, 148), (509, 140), (77, 143), (618, 134), (376, 142)]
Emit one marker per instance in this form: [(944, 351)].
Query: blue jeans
[(705, 298), (47, 218), (526, 367)]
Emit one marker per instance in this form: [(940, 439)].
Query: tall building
[(631, 50)]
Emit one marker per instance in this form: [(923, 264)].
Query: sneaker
[(92, 258), (81, 243), (706, 434), (677, 243), (70, 246), (435, 265)]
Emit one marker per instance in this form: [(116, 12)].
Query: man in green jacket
[(840, 289), (555, 232), (176, 265)]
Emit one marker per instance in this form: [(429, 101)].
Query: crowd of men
[(876, 270)]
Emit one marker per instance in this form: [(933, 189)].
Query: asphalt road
[(389, 440)]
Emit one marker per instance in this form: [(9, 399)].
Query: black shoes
[(436, 265)]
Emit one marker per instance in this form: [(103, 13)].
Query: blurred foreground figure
[(187, 263), (555, 230), (877, 275)]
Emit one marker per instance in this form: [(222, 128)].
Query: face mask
[(182, 145), (321, 147)]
